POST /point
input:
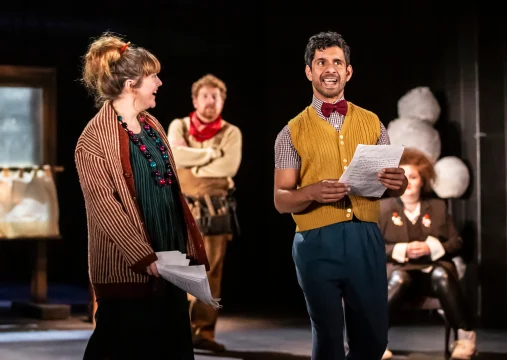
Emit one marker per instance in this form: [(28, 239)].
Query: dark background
[(258, 52)]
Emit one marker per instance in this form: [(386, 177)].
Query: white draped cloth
[(28, 204)]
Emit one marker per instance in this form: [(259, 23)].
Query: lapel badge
[(426, 221), (397, 219)]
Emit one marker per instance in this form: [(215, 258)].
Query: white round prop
[(452, 177), (420, 135), (420, 104)]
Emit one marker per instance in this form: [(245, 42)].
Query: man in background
[(207, 152)]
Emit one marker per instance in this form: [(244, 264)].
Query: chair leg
[(447, 351), (447, 338)]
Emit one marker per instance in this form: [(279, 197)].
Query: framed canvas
[(28, 141), (27, 116)]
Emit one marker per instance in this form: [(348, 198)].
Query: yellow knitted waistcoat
[(325, 153)]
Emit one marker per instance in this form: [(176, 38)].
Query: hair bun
[(101, 53)]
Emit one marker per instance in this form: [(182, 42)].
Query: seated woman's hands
[(416, 249)]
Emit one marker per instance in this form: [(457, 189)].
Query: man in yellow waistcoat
[(338, 249)]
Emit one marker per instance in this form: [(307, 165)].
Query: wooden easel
[(37, 306)]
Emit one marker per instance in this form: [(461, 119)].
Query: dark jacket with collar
[(440, 226)]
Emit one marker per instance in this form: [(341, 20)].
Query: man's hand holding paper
[(392, 178), (327, 191), (373, 169)]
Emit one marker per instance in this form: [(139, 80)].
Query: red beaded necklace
[(164, 180)]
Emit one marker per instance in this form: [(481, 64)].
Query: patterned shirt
[(286, 156)]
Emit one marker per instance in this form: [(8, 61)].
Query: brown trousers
[(204, 317)]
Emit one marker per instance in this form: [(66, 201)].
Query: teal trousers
[(341, 269)]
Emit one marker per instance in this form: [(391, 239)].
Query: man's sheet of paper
[(174, 267), (368, 160)]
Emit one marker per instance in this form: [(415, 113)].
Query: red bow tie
[(340, 107)]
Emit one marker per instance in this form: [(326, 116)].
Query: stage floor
[(247, 338)]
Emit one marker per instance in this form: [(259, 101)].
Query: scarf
[(202, 131)]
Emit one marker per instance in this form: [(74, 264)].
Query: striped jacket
[(118, 246)]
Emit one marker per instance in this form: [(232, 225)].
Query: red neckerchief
[(202, 131)]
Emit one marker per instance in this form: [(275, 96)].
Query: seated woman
[(421, 241)]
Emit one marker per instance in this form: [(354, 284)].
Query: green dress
[(162, 214)]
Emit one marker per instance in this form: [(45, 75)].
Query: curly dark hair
[(423, 165), (324, 40)]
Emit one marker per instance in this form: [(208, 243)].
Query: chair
[(433, 304)]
